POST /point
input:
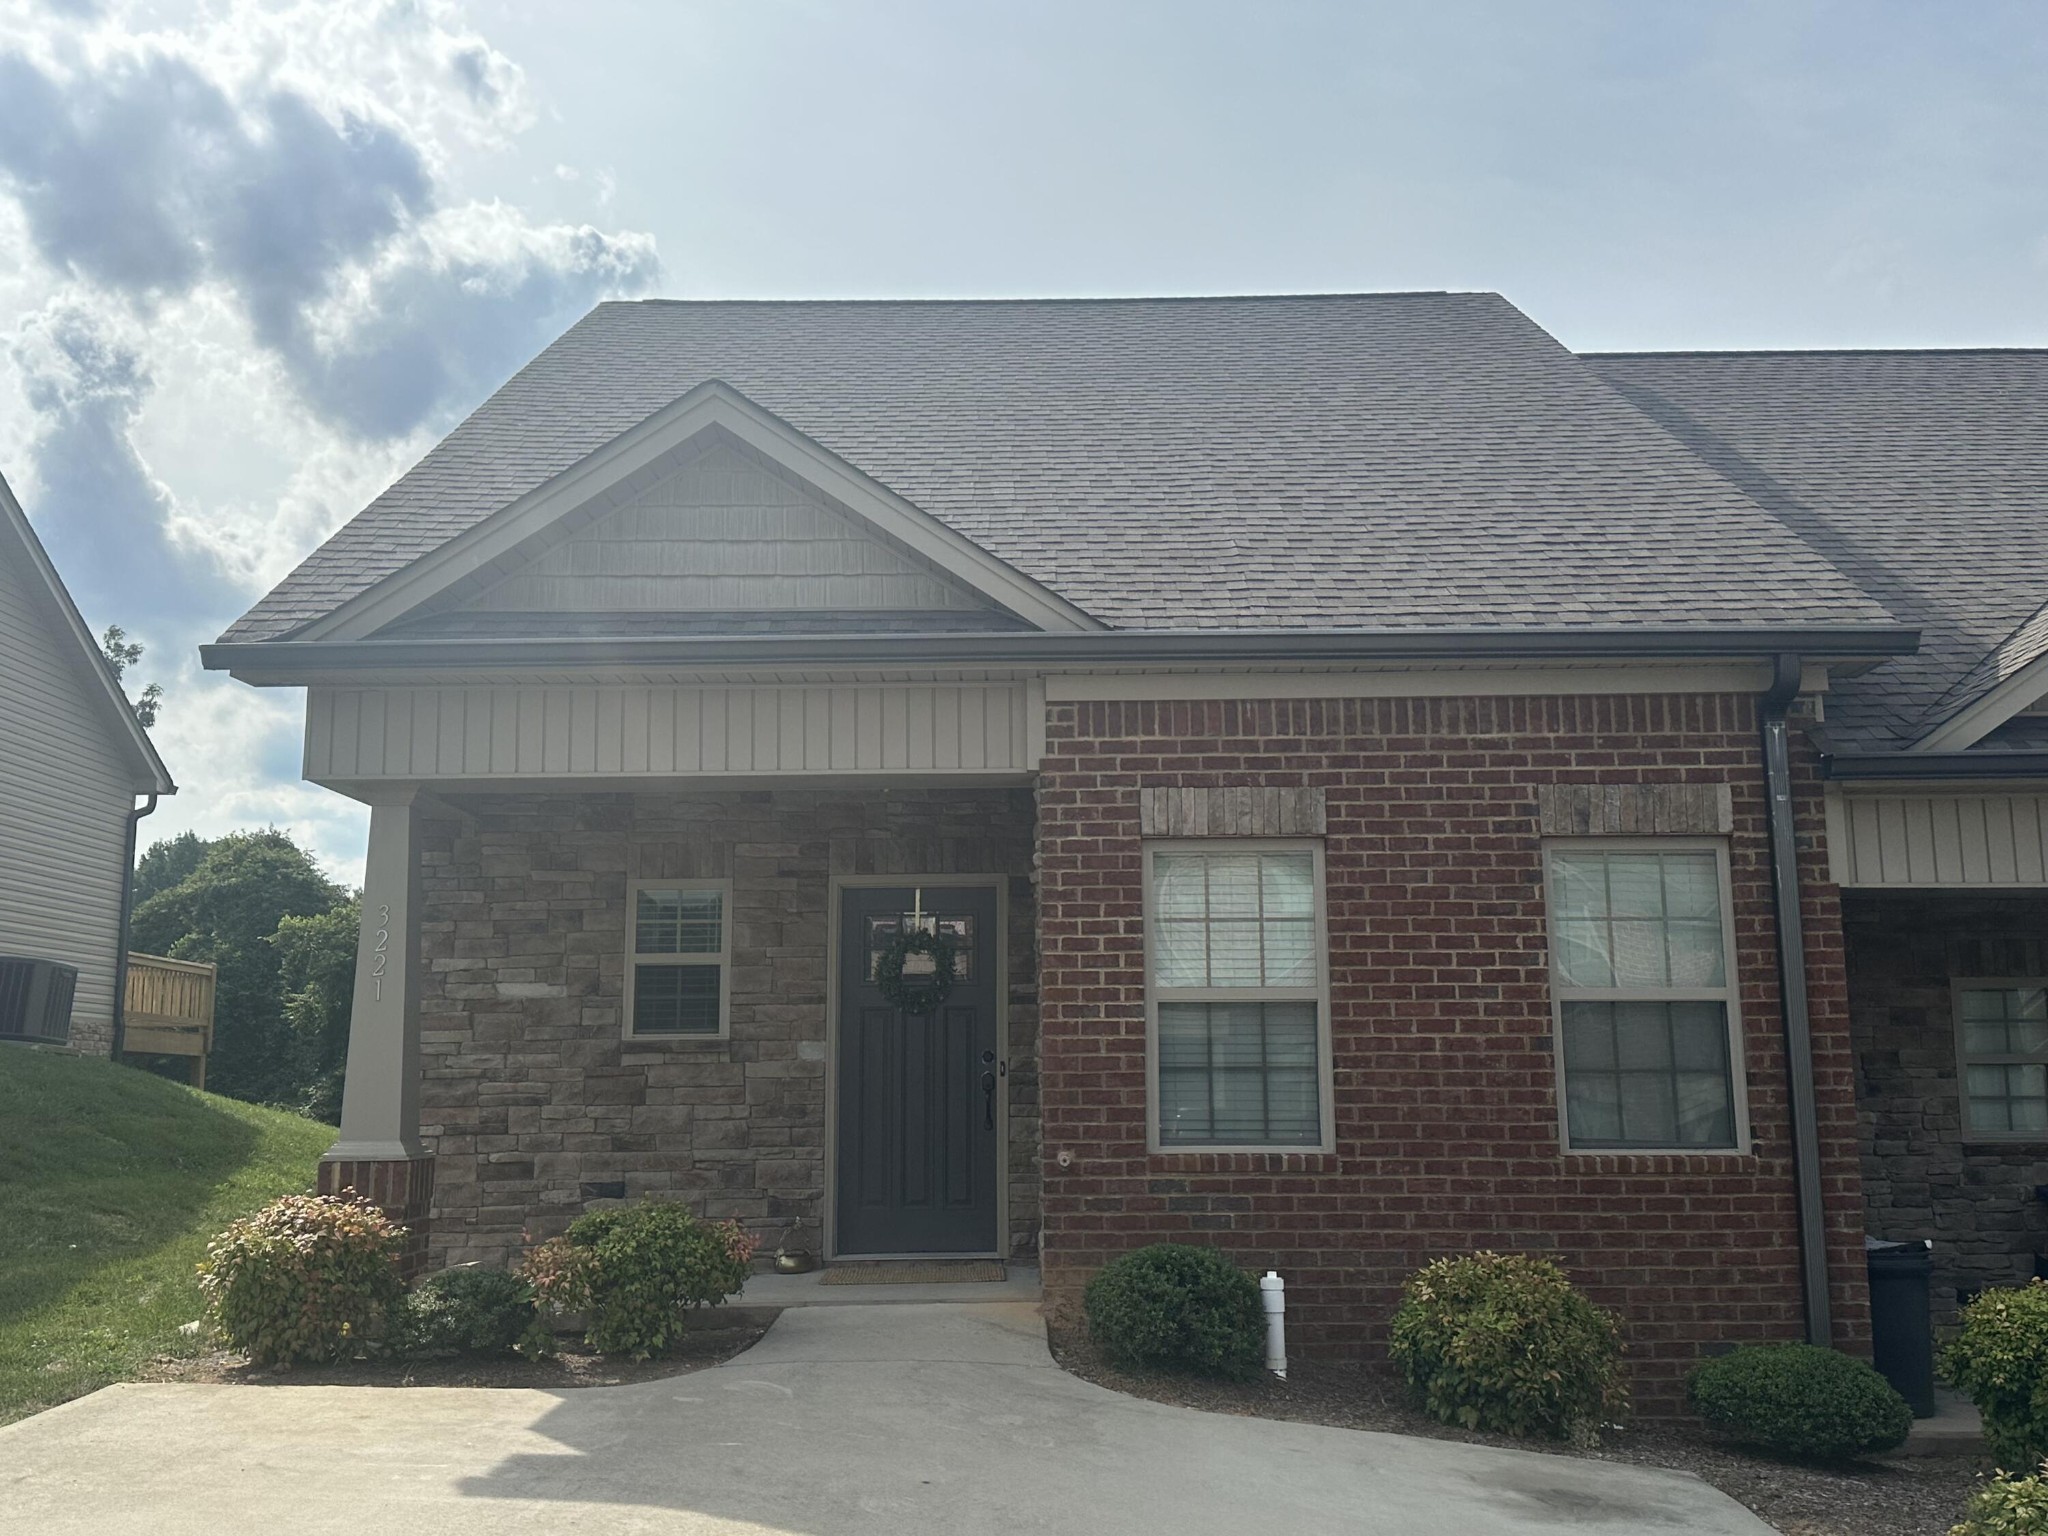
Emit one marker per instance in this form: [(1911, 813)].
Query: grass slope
[(111, 1183)]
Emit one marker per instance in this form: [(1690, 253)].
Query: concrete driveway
[(892, 1420)]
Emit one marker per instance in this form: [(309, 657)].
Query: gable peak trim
[(617, 470)]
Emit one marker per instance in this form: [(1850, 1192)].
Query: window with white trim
[(1644, 984), (2002, 1042), (678, 959), (1239, 1012)]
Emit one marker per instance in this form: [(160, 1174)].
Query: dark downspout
[(1813, 1247), (127, 911)]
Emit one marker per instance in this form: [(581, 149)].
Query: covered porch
[(1945, 922), (585, 986)]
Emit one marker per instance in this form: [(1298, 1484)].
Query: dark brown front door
[(920, 1096)]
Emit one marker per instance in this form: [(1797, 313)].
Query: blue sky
[(254, 259)]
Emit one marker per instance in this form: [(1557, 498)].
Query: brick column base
[(402, 1188)]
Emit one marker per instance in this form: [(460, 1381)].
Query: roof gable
[(573, 538), (23, 552), (728, 541), (1387, 461)]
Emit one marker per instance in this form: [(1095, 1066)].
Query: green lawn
[(111, 1183)]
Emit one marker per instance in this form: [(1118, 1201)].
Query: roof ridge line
[(1042, 299)]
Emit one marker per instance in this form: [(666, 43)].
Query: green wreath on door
[(921, 992)]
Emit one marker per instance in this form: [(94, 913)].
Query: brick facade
[(532, 1101), (1447, 1116), (1922, 1177)]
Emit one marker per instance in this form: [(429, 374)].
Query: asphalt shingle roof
[(1923, 475), (1388, 460)]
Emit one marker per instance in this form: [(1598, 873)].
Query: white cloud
[(255, 268), (232, 751)]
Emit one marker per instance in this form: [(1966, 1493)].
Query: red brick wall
[(1446, 1106)]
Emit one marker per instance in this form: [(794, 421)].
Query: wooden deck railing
[(170, 1010)]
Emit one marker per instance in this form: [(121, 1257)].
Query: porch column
[(378, 1154)]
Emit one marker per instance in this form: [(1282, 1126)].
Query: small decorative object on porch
[(795, 1261), (916, 970)]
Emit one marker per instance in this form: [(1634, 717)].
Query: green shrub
[(469, 1311), (1502, 1342), (308, 1277), (635, 1270), (2008, 1506), (2001, 1360), (1799, 1400), (1177, 1308)]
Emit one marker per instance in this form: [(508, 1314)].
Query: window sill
[(1722, 1156)]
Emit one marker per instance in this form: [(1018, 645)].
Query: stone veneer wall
[(531, 1098), (1922, 1178)]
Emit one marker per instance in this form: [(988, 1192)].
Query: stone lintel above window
[(1238, 810), (1635, 810)]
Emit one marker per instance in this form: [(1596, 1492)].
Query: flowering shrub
[(2001, 1360), (635, 1271), (2008, 1506), (1502, 1342), (308, 1277)]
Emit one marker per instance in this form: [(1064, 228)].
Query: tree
[(121, 654), (316, 959), (225, 909), (168, 862)]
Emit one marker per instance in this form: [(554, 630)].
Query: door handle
[(988, 1101)]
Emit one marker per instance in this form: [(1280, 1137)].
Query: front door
[(920, 1096)]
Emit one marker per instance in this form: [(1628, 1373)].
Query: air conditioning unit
[(35, 1000)]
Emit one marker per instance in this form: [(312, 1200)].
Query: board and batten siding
[(534, 731), (1967, 841), (65, 793)]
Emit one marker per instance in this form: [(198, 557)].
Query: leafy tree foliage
[(123, 653), (316, 958), (227, 908), (167, 863)]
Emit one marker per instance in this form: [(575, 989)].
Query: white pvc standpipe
[(1273, 1294)]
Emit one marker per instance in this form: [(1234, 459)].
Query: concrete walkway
[(895, 1421)]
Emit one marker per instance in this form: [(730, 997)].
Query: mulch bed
[(1915, 1496), (575, 1366)]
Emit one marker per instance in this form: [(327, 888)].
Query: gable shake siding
[(1447, 1133)]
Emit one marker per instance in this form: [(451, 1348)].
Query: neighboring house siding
[(1447, 1135), (64, 800), (529, 1090), (1923, 1177)]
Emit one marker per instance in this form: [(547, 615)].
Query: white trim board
[(1422, 682), (636, 458), (1971, 724)]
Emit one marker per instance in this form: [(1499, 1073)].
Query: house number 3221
[(378, 957)]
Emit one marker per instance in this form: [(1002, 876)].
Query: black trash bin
[(1902, 1318)]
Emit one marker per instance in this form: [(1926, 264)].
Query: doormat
[(915, 1272)]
